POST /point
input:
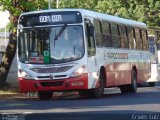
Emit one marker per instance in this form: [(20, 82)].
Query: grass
[(8, 90), (8, 93)]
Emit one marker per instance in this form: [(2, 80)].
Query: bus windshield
[(58, 44)]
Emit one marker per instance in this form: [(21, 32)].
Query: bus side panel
[(118, 74), (110, 73), (123, 73), (146, 73), (110, 81)]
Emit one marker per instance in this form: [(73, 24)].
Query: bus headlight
[(81, 70), (24, 74)]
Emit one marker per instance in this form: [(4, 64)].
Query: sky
[(4, 15)]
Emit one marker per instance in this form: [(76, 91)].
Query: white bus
[(80, 50)]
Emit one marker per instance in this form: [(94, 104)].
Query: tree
[(85, 4), (15, 8), (142, 10)]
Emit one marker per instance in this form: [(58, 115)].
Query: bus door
[(91, 52)]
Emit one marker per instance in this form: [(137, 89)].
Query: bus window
[(138, 38), (145, 41), (106, 35), (106, 27), (90, 38), (141, 38), (124, 40), (98, 32), (115, 35), (22, 51), (132, 43)]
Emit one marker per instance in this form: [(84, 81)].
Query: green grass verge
[(7, 92)]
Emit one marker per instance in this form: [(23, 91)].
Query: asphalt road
[(145, 104)]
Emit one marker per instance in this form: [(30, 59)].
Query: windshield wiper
[(60, 32)]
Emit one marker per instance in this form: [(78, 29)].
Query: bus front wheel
[(124, 89), (98, 92), (45, 95)]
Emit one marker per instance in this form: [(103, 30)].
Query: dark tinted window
[(98, 32), (138, 38), (106, 35), (115, 36), (123, 35), (145, 40), (132, 42)]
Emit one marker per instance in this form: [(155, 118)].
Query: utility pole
[(49, 4), (57, 3)]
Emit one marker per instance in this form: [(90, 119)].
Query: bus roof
[(97, 15)]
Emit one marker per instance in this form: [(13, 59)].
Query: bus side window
[(141, 38), (138, 38), (145, 40), (123, 37), (115, 36), (132, 42), (106, 35), (90, 38), (98, 32)]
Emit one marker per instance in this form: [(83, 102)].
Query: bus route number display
[(52, 18)]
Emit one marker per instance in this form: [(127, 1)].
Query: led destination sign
[(50, 18)]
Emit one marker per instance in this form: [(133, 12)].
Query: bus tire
[(152, 84), (45, 95), (133, 86), (124, 89), (98, 92), (83, 93)]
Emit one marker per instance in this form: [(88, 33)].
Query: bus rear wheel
[(45, 95), (124, 89), (83, 93), (152, 84)]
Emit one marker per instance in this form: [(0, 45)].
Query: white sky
[(4, 18)]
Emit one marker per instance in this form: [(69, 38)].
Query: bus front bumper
[(76, 83)]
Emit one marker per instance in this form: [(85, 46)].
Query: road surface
[(143, 105)]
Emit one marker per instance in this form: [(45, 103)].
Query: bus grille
[(52, 84), (48, 77), (51, 70)]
